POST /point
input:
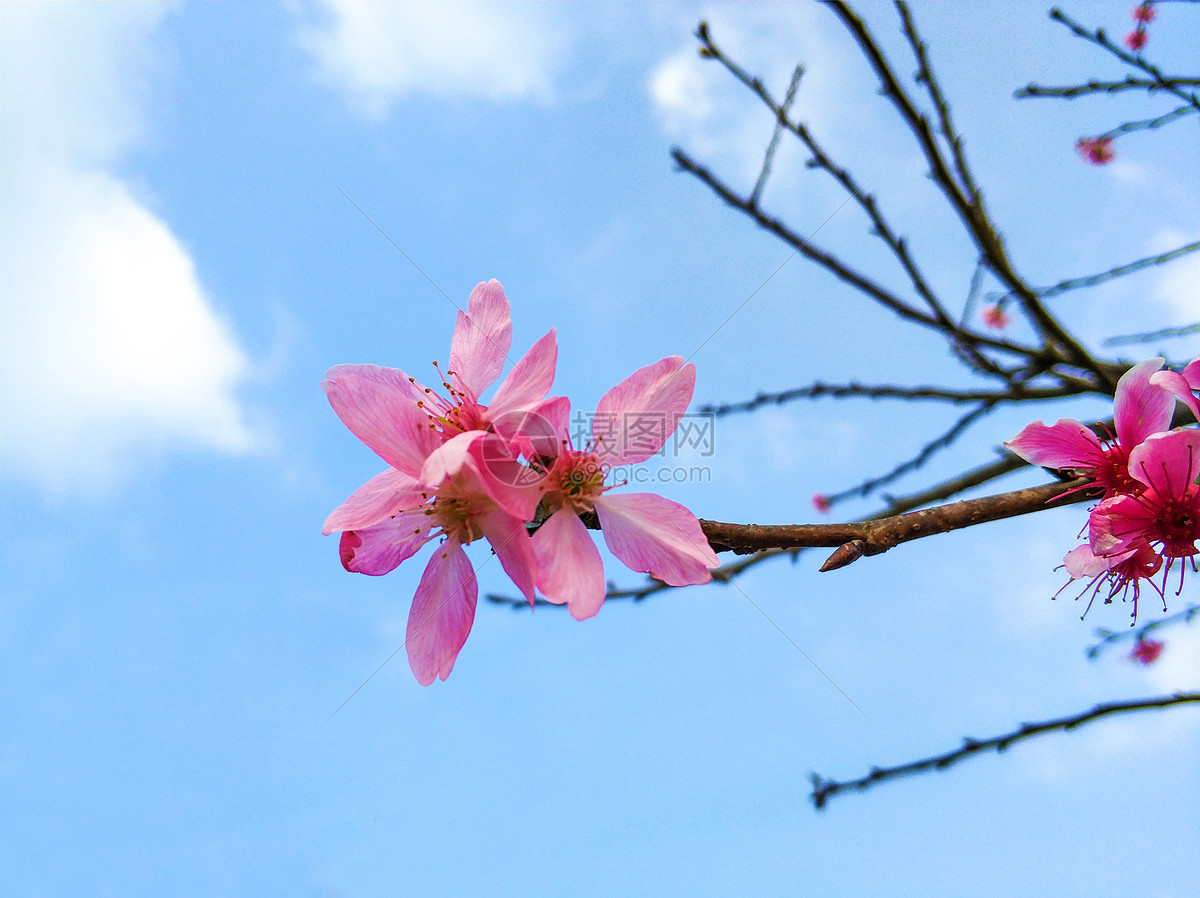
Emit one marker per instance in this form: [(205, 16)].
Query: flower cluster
[(460, 470), (1149, 514)]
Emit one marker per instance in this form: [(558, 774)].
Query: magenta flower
[(1141, 408), (1121, 572), (995, 317), (1096, 150), (1165, 512), (645, 531), (1146, 651), (1136, 39)]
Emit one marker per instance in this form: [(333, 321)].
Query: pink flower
[(821, 503), (1143, 12), (995, 316), (1146, 651), (1141, 408), (443, 608), (364, 395), (645, 531), (1165, 512), (1136, 39), (1120, 572), (1096, 150), (1181, 384), (449, 457)]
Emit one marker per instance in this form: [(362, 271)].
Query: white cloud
[(379, 52), (112, 351)]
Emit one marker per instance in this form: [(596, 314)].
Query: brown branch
[(854, 540), (897, 505), (827, 260), (824, 789), (970, 209)]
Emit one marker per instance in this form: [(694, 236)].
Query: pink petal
[(528, 381), (447, 459), (482, 338), (1083, 563), (1139, 407), (1065, 444), (379, 406), (656, 536), (495, 471), (380, 549), (1116, 524), (634, 418), (511, 542), (539, 432), (569, 565), (442, 613), (380, 497), (1169, 462), (1191, 373), (1177, 385)]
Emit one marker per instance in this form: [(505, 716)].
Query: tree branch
[(824, 789)]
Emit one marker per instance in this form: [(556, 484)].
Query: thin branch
[(1100, 39), (1093, 280), (828, 261), (1147, 124), (824, 789), (769, 156), (1106, 87), (821, 159), (1153, 335), (970, 209), (928, 451), (1109, 637), (886, 391)]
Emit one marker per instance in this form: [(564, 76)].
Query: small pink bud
[(1146, 651), (1096, 150), (995, 317), (1136, 39), (821, 503), (1143, 12)]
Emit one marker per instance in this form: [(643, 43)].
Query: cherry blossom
[(645, 531), (1141, 408), (1096, 150)]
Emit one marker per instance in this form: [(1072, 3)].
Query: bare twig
[(1169, 84), (1093, 280), (887, 391), (824, 789), (1153, 335), (1106, 87), (927, 451), (1109, 637)]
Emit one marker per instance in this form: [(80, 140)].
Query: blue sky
[(180, 267)]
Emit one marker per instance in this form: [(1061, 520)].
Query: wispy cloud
[(378, 53), (112, 351)]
